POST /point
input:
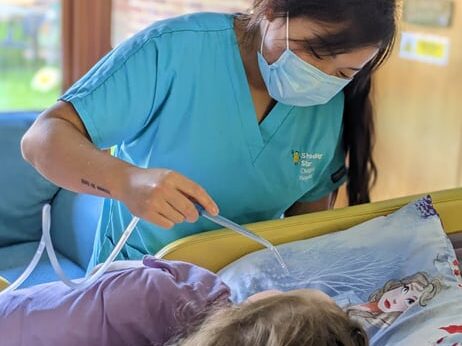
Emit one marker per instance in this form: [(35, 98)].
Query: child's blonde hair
[(282, 320)]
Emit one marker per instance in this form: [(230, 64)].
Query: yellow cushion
[(216, 249), (3, 283)]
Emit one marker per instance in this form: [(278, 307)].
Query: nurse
[(254, 114)]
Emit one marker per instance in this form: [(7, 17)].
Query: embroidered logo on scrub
[(307, 162)]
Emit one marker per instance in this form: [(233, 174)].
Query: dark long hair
[(360, 23)]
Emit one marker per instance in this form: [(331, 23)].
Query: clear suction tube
[(82, 283), (45, 243), (220, 220), (224, 222)]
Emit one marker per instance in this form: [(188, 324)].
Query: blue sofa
[(23, 192)]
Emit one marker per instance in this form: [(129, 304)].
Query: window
[(30, 73), (130, 16)]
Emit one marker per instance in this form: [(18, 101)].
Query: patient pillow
[(397, 275)]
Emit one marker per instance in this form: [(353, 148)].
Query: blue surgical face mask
[(292, 81)]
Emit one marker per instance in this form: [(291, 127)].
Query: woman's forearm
[(58, 146)]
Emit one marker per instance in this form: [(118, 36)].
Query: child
[(166, 300), (303, 317)]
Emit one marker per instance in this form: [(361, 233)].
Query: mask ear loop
[(265, 31)]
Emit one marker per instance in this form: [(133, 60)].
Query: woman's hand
[(164, 197)]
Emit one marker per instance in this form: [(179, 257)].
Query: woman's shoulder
[(166, 34), (194, 22)]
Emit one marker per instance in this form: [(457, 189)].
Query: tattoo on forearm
[(94, 186)]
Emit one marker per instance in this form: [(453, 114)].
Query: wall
[(132, 15), (419, 120)]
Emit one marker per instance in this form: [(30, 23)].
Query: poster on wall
[(434, 13), (427, 48)]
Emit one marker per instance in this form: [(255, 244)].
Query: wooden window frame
[(86, 36)]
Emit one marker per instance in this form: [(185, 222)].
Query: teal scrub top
[(176, 96)]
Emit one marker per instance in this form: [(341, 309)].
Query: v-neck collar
[(256, 135)]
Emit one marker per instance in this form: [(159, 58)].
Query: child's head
[(303, 317)]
